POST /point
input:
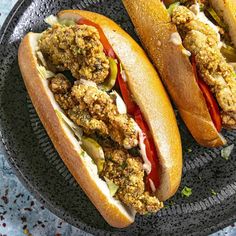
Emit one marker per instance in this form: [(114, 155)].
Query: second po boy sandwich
[(106, 112), (192, 44)]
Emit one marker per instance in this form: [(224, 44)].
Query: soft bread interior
[(227, 10), (121, 215)]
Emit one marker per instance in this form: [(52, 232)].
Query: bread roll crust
[(175, 68), (149, 95)]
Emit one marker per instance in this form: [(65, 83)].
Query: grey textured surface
[(196, 173)]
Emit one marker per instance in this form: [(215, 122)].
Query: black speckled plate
[(39, 167)]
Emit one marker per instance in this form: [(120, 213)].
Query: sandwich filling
[(82, 84), (206, 39)]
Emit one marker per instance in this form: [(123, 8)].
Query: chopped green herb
[(186, 192), (202, 7), (124, 164), (213, 192), (172, 203), (190, 150), (225, 152), (149, 213), (134, 152)]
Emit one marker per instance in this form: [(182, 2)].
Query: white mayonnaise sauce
[(186, 52), (147, 164), (123, 75), (121, 107), (175, 39), (152, 185), (88, 83)]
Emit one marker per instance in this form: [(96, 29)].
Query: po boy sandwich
[(192, 44), (106, 112)]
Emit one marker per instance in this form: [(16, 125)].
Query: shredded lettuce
[(45, 74), (67, 22), (51, 20), (74, 128), (225, 152), (172, 7), (112, 187)]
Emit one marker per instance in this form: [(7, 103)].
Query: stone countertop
[(20, 213)]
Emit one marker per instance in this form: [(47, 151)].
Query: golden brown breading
[(195, 40), (101, 106), (181, 15), (76, 48), (61, 88), (65, 101), (229, 120), (59, 84), (94, 110), (203, 43), (90, 125), (196, 25), (127, 172)]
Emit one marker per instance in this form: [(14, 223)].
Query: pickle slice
[(229, 53), (109, 83), (217, 19), (95, 151)]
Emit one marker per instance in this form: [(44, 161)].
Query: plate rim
[(38, 196)]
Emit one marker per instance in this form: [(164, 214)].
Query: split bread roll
[(163, 43), (149, 95)]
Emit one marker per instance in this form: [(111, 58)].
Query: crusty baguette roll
[(174, 67), (227, 10), (150, 96)]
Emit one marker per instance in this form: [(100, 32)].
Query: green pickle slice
[(95, 151), (109, 83)]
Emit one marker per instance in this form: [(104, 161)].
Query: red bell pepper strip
[(210, 100), (212, 105), (150, 150), (106, 45)]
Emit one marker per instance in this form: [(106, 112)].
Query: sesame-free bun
[(174, 68), (150, 96)]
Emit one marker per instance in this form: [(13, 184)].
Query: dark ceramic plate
[(39, 167)]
